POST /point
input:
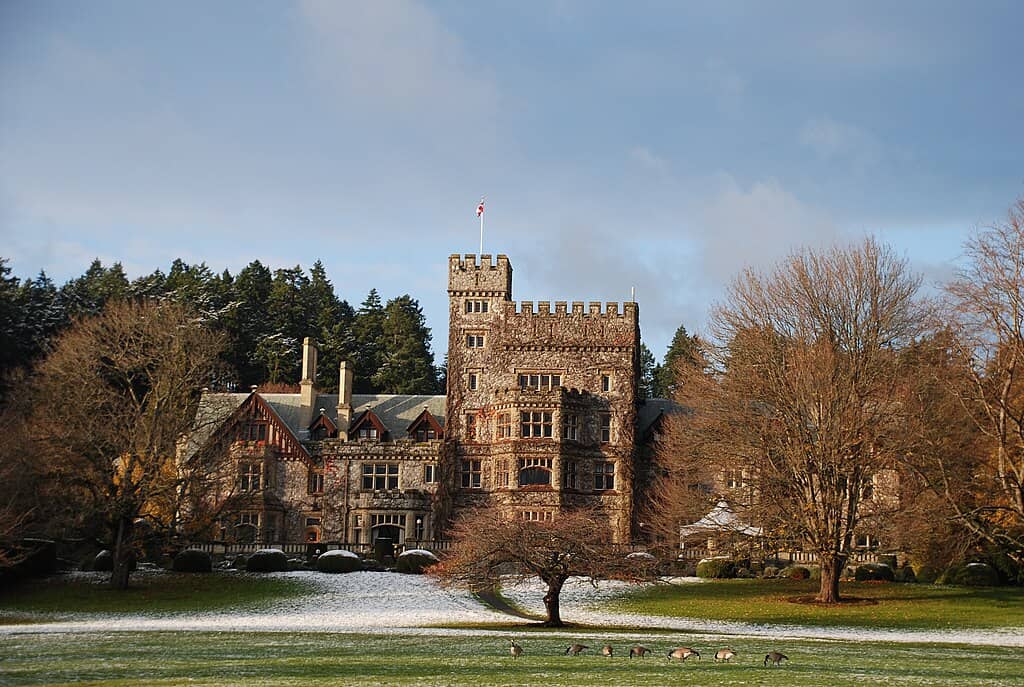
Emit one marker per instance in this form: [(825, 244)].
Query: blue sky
[(656, 145)]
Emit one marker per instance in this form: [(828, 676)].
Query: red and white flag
[(480, 208)]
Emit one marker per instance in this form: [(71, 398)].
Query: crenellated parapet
[(596, 325), (473, 275)]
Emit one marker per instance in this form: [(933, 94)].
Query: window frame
[(530, 427), (384, 474), (604, 475), (471, 473)]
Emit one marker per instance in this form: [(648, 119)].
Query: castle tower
[(541, 408)]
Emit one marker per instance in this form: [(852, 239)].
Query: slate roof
[(396, 411)]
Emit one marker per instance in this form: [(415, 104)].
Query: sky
[(661, 146)]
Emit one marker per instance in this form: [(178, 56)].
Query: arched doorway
[(393, 532)]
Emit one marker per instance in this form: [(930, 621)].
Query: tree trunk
[(551, 602), (831, 567), (123, 554)]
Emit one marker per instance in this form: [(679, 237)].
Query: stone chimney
[(344, 399), (308, 384)]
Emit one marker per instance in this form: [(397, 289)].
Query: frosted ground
[(375, 602)]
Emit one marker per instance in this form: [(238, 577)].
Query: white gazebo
[(720, 521)]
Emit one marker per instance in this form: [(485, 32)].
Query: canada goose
[(640, 651), (576, 649), (515, 650), (683, 652), (607, 650), (775, 657), (725, 654)]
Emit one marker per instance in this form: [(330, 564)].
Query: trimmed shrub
[(414, 561), (795, 572), (927, 574), (267, 560), (240, 562), (970, 575), (769, 572), (104, 562), (874, 572), (338, 561), (192, 561), (716, 569)]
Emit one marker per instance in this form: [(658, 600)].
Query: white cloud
[(643, 156), (757, 226)]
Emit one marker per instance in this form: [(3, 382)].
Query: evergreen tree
[(684, 349), (87, 294), (368, 330), (408, 364), (332, 322), (246, 322), (648, 368)]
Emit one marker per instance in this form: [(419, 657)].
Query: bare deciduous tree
[(112, 401), (803, 395), (988, 302), (491, 545)]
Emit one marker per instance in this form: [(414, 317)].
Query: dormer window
[(425, 428), (368, 427)]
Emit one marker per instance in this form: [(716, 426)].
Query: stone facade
[(541, 411), (540, 415)]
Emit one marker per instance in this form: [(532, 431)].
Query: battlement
[(593, 309), (469, 276)]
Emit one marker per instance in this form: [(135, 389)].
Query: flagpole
[(480, 214)]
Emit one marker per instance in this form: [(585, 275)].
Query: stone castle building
[(541, 414)]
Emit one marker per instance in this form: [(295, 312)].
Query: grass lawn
[(906, 606), (219, 659), (149, 593)]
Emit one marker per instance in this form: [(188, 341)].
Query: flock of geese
[(680, 653)]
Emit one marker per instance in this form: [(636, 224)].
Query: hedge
[(267, 560), (874, 572), (414, 561), (338, 561), (716, 568)]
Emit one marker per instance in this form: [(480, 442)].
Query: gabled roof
[(651, 413), (233, 409), (394, 411), (368, 417), (720, 519), (323, 421), (426, 420)]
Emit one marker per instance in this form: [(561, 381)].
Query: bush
[(104, 562), (874, 572), (905, 574), (716, 569), (192, 561), (970, 575), (338, 561), (240, 562), (415, 561), (769, 572), (267, 560), (927, 574), (795, 572)]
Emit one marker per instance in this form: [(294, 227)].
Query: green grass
[(286, 659), (903, 606), (148, 592)]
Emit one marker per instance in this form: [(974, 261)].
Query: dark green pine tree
[(87, 294), (648, 368), (368, 331), (332, 320), (290, 322), (684, 349), (196, 287), (408, 364), (246, 323)]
